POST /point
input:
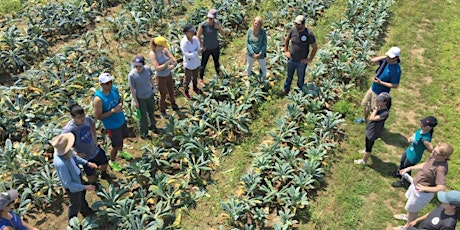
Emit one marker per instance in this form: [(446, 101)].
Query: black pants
[(215, 53), (78, 204), (404, 163)]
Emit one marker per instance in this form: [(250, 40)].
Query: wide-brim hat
[(7, 197), (63, 143)]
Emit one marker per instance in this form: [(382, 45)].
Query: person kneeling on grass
[(431, 179), (8, 219), (419, 141), (445, 216), (374, 128)]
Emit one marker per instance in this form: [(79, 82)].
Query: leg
[(151, 111), (161, 82), (195, 74), (170, 89), (144, 121), (301, 75), (249, 63), (74, 203), (204, 61), (263, 68), (188, 77), (85, 210), (369, 145), (215, 57), (411, 216), (291, 66), (90, 172)]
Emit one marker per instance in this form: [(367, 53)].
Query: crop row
[(284, 172)]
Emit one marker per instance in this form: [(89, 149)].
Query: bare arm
[(170, 56), (376, 60), (411, 168), (93, 130), (97, 104), (198, 35), (414, 222), (219, 27), (386, 84), (286, 47), (314, 48), (155, 64), (428, 146)]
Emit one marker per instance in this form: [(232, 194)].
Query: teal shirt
[(415, 151), (256, 44), (109, 102)]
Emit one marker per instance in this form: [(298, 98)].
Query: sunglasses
[(107, 83)]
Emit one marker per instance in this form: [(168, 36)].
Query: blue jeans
[(292, 66)]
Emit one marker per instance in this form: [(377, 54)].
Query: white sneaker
[(360, 162), (400, 217)]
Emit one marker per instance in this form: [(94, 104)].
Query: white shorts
[(416, 200)]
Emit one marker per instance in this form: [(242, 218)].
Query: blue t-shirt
[(15, 222), (414, 152), (84, 140), (109, 102), (391, 74)]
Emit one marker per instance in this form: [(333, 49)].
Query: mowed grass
[(8, 6), (358, 197)]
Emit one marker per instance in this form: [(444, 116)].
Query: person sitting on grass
[(445, 216), (431, 179), (83, 127), (376, 122), (8, 219), (420, 141)]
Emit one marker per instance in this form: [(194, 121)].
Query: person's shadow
[(395, 139), (385, 169)]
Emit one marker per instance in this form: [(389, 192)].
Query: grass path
[(359, 197), (207, 214)]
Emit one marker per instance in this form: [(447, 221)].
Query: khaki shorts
[(370, 99), (416, 200)]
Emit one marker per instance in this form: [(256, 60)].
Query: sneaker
[(175, 107), (400, 217), (359, 120), (400, 228), (187, 95), (360, 162), (125, 155), (202, 82), (115, 166), (146, 137), (197, 91), (106, 176), (395, 174), (399, 184)]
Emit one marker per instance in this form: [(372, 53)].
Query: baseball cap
[(139, 60), (105, 77), (161, 41), (429, 121), (212, 13), (393, 52), (188, 28), (300, 19), (7, 197), (451, 197)]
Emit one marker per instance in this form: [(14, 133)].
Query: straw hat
[(63, 143)]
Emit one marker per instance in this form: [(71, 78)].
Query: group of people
[(77, 144), (431, 178)]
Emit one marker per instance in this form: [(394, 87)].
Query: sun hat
[(429, 121), (451, 197), (105, 77), (188, 28), (139, 60), (300, 19), (63, 143), (7, 197), (161, 41), (212, 13), (393, 52)]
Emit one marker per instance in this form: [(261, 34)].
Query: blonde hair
[(259, 19), (446, 150), (152, 44)]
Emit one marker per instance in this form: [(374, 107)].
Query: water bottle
[(407, 177), (138, 113)]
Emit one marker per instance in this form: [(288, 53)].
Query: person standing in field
[(85, 145), (419, 141), (66, 165), (190, 47), (108, 108), (142, 87), (163, 62), (296, 49), (375, 126), (386, 77), (430, 180), (256, 46), (210, 42), (8, 219)]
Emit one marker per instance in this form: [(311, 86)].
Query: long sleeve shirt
[(69, 173), (190, 51)]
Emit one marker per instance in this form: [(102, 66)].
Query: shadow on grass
[(385, 169), (395, 139)]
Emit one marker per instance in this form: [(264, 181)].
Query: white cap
[(300, 19), (105, 77), (393, 52)]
